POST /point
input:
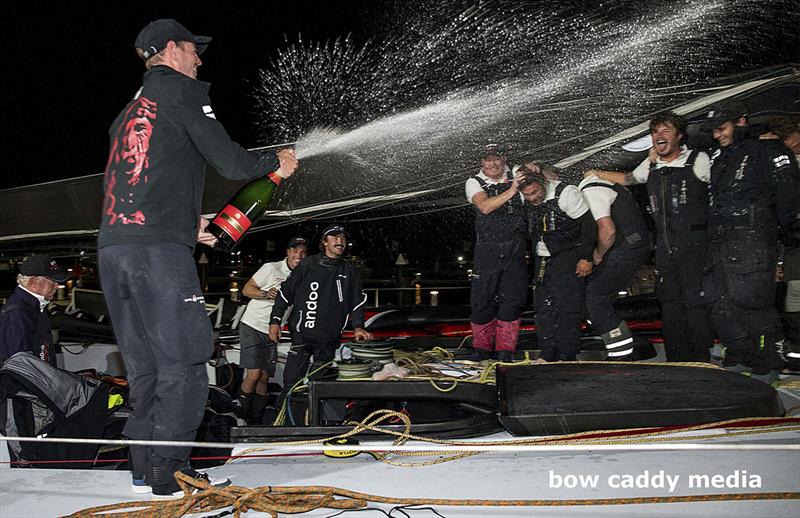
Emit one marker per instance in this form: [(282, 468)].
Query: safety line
[(383, 447)]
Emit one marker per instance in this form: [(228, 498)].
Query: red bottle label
[(233, 222)]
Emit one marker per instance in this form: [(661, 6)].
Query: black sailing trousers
[(158, 313), (605, 281), (499, 284), (685, 311), (740, 282), (558, 300)]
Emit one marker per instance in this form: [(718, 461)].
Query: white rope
[(384, 447)]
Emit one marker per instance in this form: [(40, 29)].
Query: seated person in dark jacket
[(324, 291), (24, 324)]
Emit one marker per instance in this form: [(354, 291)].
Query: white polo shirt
[(270, 275), (702, 166), (599, 199), (473, 186)]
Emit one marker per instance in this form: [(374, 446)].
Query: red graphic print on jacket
[(128, 162)]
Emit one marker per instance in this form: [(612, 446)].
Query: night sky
[(70, 67)]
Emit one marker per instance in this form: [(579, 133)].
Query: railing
[(418, 296)]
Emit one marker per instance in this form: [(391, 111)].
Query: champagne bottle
[(242, 210)]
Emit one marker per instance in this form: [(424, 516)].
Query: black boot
[(245, 403), (256, 414)]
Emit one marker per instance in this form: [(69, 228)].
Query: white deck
[(28, 493)]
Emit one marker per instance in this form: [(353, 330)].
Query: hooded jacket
[(161, 144)]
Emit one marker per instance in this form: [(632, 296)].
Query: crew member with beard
[(755, 199), (677, 185), (325, 292), (563, 233)]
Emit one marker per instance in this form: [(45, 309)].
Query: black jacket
[(755, 189), (323, 293), (24, 327), (160, 146)]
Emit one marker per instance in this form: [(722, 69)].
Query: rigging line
[(436, 177), (378, 218), (317, 444), (337, 211), (333, 214)]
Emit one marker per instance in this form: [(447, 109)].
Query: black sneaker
[(173, 490), (788, 350)]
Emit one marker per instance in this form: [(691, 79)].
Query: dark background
[(70, 67)]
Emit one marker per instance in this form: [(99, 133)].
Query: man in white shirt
[(563, 233), (623, 244), (677, 185), (498, 288), (259, 354)]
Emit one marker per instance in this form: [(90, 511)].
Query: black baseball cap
[(498, 150), (334, 230), (154, 37), (43, 266), (722, 112), (297, 241)]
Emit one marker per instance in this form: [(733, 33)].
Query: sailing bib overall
[(629, 252), (558, 293), (679, 206), (754, 191), (500, 279)]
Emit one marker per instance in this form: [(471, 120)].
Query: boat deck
[(493, 475)]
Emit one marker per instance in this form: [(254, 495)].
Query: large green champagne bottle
[(244, 209)]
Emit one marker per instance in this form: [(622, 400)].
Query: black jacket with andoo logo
[(161, 144), (323, 293)]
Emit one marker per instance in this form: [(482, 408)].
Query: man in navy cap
[(161, 145), (325, 294), (24, 324), (754, 200)]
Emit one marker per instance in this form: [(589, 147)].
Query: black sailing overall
[(679, 206), (629, 252), (499, 278)]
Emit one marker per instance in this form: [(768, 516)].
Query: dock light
[(622, 293), (434, 297)]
